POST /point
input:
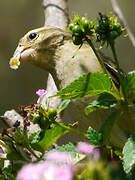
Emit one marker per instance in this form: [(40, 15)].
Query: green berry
[(37, 118), (97, 28), (113, 35), (77, 40), (52, 113), (116, 26), (102, 37), (86, 25), (104, 24), (71, 26), (77, 30)]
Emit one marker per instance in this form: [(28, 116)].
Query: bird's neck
[(71, 62)]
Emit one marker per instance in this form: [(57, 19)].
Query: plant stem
[(101, 62), (72, 130), (112, 45), (33, 153), (125, 105), (97, 55)]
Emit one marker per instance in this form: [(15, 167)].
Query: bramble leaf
[(104, 101), (129, 86), (50, 136), (63, 105), (87, 85), (94, 137), (106, 127), (129, 154)]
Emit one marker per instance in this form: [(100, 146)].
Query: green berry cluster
[(107, 29), (80, 27)]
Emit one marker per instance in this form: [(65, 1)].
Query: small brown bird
[(52, 49)]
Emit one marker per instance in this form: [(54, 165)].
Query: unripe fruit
[(77, 40), (77, 30)]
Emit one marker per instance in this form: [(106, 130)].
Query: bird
[(52, 49)]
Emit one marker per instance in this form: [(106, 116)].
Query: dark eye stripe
[(32, 36)]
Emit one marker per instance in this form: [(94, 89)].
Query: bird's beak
[(21, 54)]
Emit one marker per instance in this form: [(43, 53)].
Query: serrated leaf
[(33, 138), (63, 105), (129, 86), (70, 147), (129, 154), (50, 136), (104, 101), (87, 85), (107, 126), (94, 137)]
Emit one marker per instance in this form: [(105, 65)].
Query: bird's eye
[(32, 36)]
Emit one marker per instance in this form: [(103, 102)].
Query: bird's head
[(38, 47)]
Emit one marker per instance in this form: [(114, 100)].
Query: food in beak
[(15, 61), (21, 53)]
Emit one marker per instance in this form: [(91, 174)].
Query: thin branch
[(119, 13), (56, 15)]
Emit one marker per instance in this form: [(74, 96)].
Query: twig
[(56, 15), (119, 13)]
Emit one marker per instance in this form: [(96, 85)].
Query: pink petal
[(85, 147), (41, 92)]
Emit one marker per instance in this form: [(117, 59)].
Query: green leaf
[(9, 172), (129, 154), (108, 124), (63, 105), (94, 137), (70, 147), (87, 85), (2, 177), (12, 156), (104, 101), (50, 136), (129, 86)]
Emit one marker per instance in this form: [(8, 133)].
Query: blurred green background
[(19, 16)]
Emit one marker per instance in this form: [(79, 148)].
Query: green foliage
[(108, 29), (104, 101), (87, 85), (50, 136), (94, 137), (44, 117), (129, 86), (70, 147), (15, 156), (106, 127), (80, 27), (7, 173), (129, 154), (22, 146), (63, 105)]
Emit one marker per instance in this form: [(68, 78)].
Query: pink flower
[(88, 149), (45, 171), (57, 166), (59, 157), (96, 153), (31, 172), (54, 172), (64, 173), (41, 92), (85, 147)]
